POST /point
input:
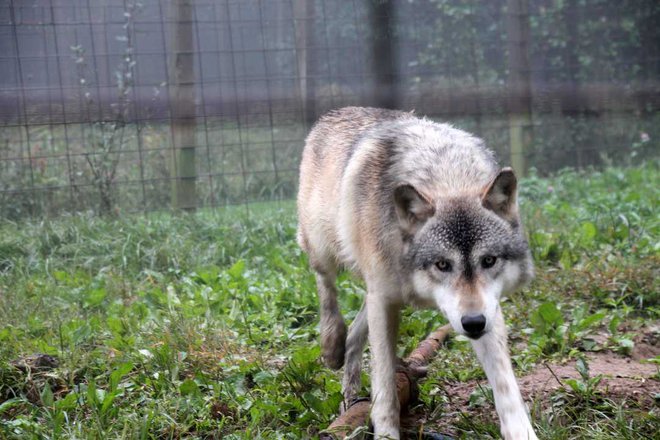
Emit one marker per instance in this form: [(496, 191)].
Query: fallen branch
[(413, 368)]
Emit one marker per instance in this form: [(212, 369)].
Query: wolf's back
[(327, 152)]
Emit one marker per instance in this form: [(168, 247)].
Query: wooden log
[(413, 368)]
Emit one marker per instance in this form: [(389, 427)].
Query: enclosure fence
[(116, 106)]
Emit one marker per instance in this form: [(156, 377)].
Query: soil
[(624, 379)]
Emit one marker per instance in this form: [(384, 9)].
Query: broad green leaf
[(189, 387), (588, 233), (70, 401), (47, 395), (108, 399), (92, 397), (550, 313), (566, 259), (614, 325), (583, 368), (237, 270), (95, 297), (118, 374), (575, 385), (115, 325), (590, 320)]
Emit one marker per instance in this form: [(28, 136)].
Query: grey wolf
[(424, 214)]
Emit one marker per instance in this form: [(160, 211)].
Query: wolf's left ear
[(412, 208), (501, 195)]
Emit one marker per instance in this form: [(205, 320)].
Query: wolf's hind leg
[(357, 338), (333, 327)]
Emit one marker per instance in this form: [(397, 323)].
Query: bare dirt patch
[(647, 344), (622, 377), (627, 380)]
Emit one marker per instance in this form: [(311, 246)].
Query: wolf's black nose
[(473, 325)]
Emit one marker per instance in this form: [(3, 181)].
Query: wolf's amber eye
[(443, 266), (488, 261)]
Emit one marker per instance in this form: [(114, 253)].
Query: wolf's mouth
[(475, 336)]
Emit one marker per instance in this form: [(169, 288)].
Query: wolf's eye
[(488, 261), (443, 266)]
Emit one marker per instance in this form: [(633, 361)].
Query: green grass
[(205, 325)]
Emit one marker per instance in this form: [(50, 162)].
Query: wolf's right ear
[(500, 196), (412, 208)]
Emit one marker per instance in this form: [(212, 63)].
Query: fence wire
[(118, 106)]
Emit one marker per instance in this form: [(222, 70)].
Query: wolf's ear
[(412, 208), (500, 196)]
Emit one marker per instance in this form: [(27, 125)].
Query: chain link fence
[(116, 106)]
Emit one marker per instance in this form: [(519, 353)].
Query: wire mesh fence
[(119, 106)]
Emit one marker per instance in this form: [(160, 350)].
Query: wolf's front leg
[(383, 318), (493, 354)]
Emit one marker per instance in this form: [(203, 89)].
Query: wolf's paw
[(519, 433), (333, 344)]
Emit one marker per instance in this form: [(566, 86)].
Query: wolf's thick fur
[(425, 215)]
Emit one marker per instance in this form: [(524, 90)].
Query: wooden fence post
[(521, 135), (182, 106), (385, 92), (303, 13)]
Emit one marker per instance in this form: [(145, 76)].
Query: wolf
[(422, 212)]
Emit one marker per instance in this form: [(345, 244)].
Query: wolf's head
[(464, 252)]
